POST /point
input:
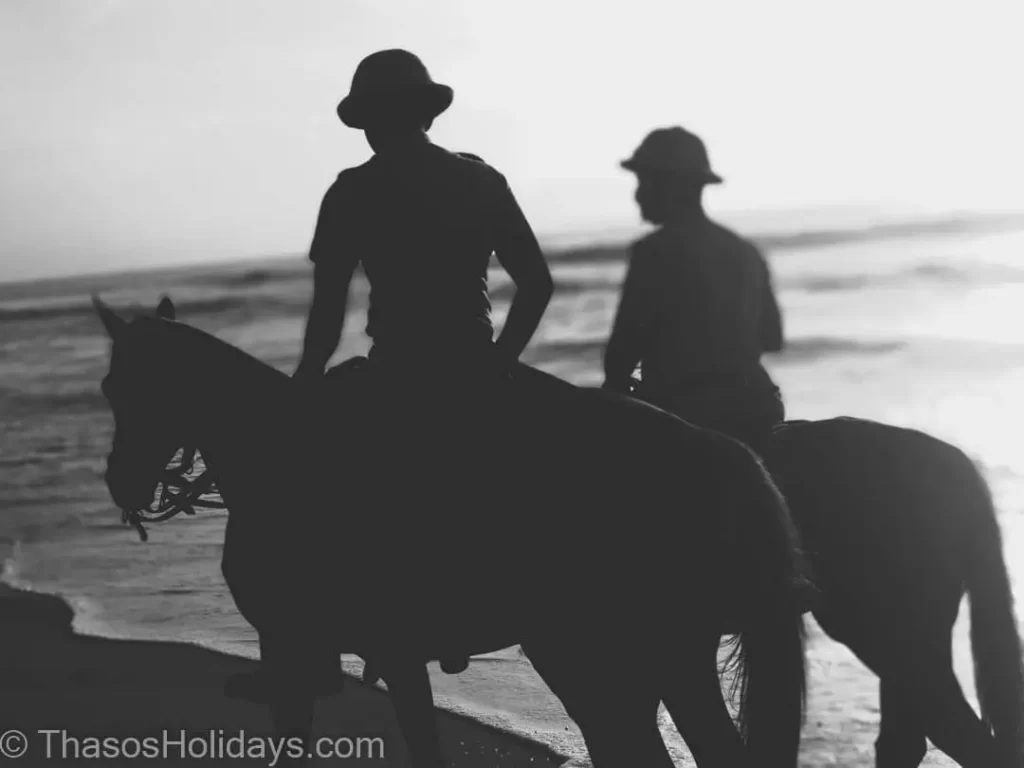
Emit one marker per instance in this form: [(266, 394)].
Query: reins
[(183, 490), (179, 494)]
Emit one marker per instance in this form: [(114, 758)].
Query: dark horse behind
[(898, 526), (577, 524)]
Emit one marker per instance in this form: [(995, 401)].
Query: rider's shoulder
[(470, 156), (348, 178), (733, 237), (739, 245), (464, 160), (346, 185), (650, 244), (476, 167), (353, 174)]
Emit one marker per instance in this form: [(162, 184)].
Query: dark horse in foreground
[(595, 526)]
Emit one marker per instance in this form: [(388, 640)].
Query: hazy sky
[(135, 132)]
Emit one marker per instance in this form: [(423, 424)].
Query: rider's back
[(423, 222), (705, 286)]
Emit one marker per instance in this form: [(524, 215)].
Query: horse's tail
[(768, 655), (995, 642)]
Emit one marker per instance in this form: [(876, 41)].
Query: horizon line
[(617, 235)]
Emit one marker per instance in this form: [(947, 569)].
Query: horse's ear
[(165, 309), (114, 324)]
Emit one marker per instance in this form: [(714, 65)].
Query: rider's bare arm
[(632, 323), (332, 276), (326, 318), (518, 251), (771, 317)]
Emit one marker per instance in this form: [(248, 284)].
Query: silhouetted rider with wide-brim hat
[(698, 308), (423, 223), (392, 82)]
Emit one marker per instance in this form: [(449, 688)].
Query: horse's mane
[(198, 347)]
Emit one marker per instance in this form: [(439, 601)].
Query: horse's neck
[(233, 404)]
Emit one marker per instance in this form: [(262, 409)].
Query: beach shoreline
[(83, 689)]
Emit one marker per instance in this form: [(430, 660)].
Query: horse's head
[(147, 414)]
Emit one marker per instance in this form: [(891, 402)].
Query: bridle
[(182, 490)]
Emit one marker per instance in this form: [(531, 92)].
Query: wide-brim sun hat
[(389, 81), (673, 150)]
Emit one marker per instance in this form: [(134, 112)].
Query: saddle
[(451, 416), (523, 383), (342, 371)]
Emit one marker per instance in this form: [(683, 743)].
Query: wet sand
[(94, 688)]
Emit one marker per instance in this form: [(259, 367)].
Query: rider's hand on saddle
[(371, 674), (501, 363), (307, 373)]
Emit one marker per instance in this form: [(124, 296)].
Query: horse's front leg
[(409, 686), (293, 673), (291, 712)]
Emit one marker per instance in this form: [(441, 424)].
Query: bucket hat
[(389, 81), (674, 150)]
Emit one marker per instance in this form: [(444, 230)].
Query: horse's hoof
[(455, 666)]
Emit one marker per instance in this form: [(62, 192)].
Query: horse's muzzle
[(129, 490)]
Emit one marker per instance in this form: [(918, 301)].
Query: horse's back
[(523, 447), (531, 412), (875, 500), (804, 449)]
